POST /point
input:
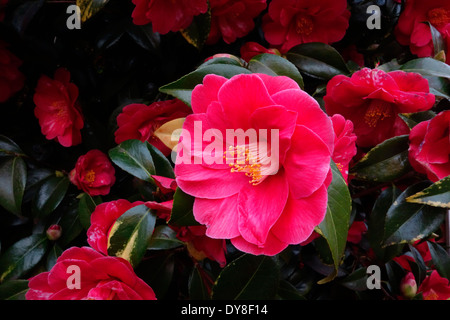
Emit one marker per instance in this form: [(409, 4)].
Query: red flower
[(166, 15), (292, 22), (344, 143), (412, 31), (57, 108), (103, 218), (100, 278), (232, 19), (356, 231), (429, 147), (251, 49), (11, 79), (372, 100), (422, 248), (93, 173), (435, 287), (140, 121)]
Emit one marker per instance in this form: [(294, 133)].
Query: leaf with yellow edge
[(90, 7), (169, 133), (436, 195)]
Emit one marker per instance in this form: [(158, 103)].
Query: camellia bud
[(54, 232), (408, 286)]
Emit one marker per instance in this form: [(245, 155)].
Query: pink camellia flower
[(93, 173), (251, 49), (140, 121), (57, 108), (292, 22), (11, 78), (408, 286), (232, 19), (372, 100), (100, 278), (166, 16), (435, 287), (344, 143), (429, 147), (263, 183)]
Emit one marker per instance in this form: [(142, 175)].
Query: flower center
[(304, 25), (378, 110), (251, 160), (439, 17), (60, 106), (90, 177)]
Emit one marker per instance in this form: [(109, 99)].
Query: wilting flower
[(93, 173), (84, 274), (263, 180), (251, 49), (166, 16), (57, 108), (232, 19), (140, 121), (11, 79), (429, 147), (412, 29), (292, 22), (372, 100), (435, 287), (344, 143)]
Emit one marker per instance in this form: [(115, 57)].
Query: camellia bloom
[(232, 19), (140, 121), (93, 173), (262, 200), (412, 31), (57, 108), (344, 143), (372, 100), (435, 287), (11, 79), (408, 286), (292, 22), (100, 278), (251, 49), (356, 231), (429, 147), (166, 16)]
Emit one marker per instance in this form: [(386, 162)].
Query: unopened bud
[(408, 286), (54, 232)]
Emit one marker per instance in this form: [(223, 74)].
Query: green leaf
[(13, 290), (436, 195), (52, 256), (182, 88), (130, 234), (49, 195), (90, 7), (287, 291), (22, 256), (198, 31), (440, 258), (248, 278), (13, 177), (162, 164), (385, 162), (70, 226), (199, 284), (427, 67), (317, 60), (164, 238), (231, 60), (86, 206), (134, 157), (274, 65), (182, 210), (409, 222), (9, 147), (334, 227), (438, 41), (413, 119), (356, 281)]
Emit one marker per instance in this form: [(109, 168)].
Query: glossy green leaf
[(413, 119), (53, 255), (13, 177), (49, 195), (231, 60), (248, 277), (199, 284), (287, 291), (334, 227), (130, 234), (182, 210), (22, 256), (356, 281), (70, 225), (317, 60), (182, 88), (275, 65), (436, 195), (163, 167), (409, 222), (89, 8), (13, 290), (198, 31), (9, 147), (134, 157), (164, 238), (440, 258), (427, 67), (86, 206), (385, 162)]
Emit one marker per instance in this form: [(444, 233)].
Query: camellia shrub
[(225, 150)]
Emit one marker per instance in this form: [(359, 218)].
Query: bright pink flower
[(372, 100), (93, 173), (251, 49), (232, 19), (140, 121), (11, 79), (292, 22), (435, 287), (262, 201), (429, 147), (344, 143), (103, 218), (57, 108), (101, 278), (412, 31), (166, 16)]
